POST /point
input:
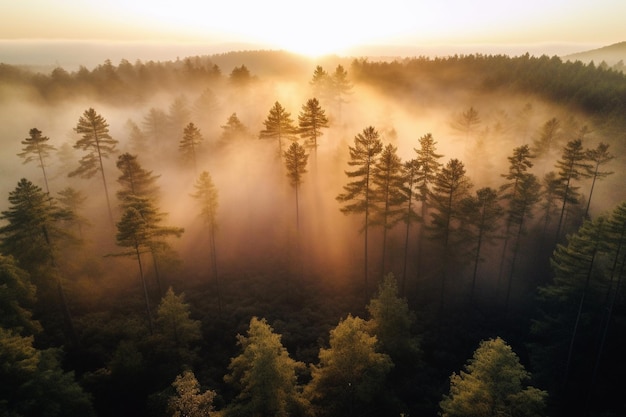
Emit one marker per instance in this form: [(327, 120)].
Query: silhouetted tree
[(178, 117), (295, 161), (571, 167), (36, 148), (264, 375), (189, 144), (411, 170), (482, 214), (73, 201), (493, 384), (321, 84), (466, 123), (450, 187), (207, 196), (388, 179), (359, 193), (521, 209), (278, 125), (341, 87), (155, 125), (98, 144), (137, 139), (597, 157), (311, 120)]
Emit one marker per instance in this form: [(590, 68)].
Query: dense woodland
[(257, 234)]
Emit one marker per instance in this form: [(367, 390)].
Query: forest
[(261, 234)]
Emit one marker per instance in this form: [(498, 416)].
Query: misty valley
[(263, 234)]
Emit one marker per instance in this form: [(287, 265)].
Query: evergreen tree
[(207, 196), (482, 214), (548, 138), (137, 139), (467, 123), (311, 120), (321, 84), (519, 164), (178, 116), (341, 88), (233, 130), (138, 185), (549, 204), (391, 322), (73, 201), (597, 157), (572, 167), (189, 401), (175, 331), (188, 146), (493, 384), (388, 179), (450, 187), (36, 149), (279, 126), (411, 170), (295, 161), (264, 375), (520, 210), (155, 125), (359, 193), (17, 297), (98, 144), (351, 372)]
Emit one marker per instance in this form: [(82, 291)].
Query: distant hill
[(611, 54)]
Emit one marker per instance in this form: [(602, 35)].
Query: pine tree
[(467, 123), (137, 139), (321, 84), (155, 125), (493, 384), (207, 196), (73, 201), (411, 169), (548, 138), (350, 373), (295, 161), (597, 157), (450, 187), (388, 179), (279, 126), (189, 144), (359, 193), (572, 167), (36, 148), (341, 88), (520, 210), (519, 164), (311, 120), (98, 144), (482, 214), (233, 130), (264, 375)]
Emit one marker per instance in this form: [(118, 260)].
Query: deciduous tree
[(189, 400)]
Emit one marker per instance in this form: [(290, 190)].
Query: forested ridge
[(259, 234)]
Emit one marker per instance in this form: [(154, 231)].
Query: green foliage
[(350, 373), (264, 375), (388, 180), (32, 227), (17, 295), (391, 321), (34, 382), (492, 384), (428, 167), (173, 322), (189, 401), (135, 181)]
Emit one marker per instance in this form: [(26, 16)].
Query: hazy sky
[(319, 26)]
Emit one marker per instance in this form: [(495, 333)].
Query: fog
[(256, 214)]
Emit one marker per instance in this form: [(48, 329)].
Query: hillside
[(610, 54)]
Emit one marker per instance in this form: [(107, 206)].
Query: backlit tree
[(278, 126), (36, 149)]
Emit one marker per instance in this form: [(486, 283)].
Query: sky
[(321, 26)]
